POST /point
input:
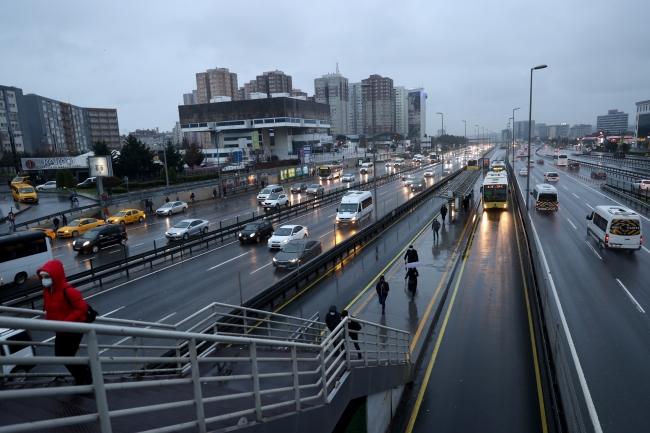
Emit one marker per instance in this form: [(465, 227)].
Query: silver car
[(171, 208), (315, 189), (348, 178), (186, 228)]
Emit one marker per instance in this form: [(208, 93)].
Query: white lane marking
[(590, 206), (574, 354), (227, 261), (113, 252), (159, 270), (647, 250), (329, 216), (54, 257), (325, 234), (630, 296), (592, 249), (260, 268), (565, 187), (136, 245), (572, 224), (111, 312), (575, 195)]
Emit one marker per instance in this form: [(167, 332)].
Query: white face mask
[(47, 282)]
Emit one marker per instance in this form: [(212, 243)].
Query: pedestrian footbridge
[(222, 368)]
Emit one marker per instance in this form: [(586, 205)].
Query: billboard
[(256, 140), (414, 115), (54, 163), (100, 166)]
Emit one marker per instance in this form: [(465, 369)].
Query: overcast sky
[(472, 57)]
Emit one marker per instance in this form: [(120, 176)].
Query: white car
[(266, 192), (428, 173), (275, 200), (87, 181), (523, 172), (186, 228), (47, 185), (285, 234), (171, 208), (551, 176), (348, 178), (642, 184), (389, 164)]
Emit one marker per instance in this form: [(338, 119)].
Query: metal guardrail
[(549, 316), (625, 174), (32, 294), (307, 373), (632, 200), (642, 164)]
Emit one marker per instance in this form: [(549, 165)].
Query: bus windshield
[(495, 193)]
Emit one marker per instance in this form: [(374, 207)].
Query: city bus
[(495, 191), (329, 172), (21, 254), (472, 164), (561, 160)]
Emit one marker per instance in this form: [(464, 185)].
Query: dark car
[(574, 166), (297, 252), (255, 231), (418, 184), (300, 187), (540, 161), (101, 237), (598, 175)]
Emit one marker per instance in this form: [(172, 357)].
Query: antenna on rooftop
[(337, 67)]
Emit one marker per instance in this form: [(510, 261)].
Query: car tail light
[(606, 239), (641, 240)]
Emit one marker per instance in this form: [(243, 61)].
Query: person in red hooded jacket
[(72, 309)]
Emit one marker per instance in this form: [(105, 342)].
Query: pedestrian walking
[(412, 275), (382, 292), (435, 226), (214, 192), (64, 220), (63, 302), (192, 196), (224, 191), (332, 320), (353, 331), (262, 184), (12, 220), (166, 199), (177, 199), (466, 203), (56, 223), (443, 212), (109, 190), (104, 200), (411, 255), (107, 214)]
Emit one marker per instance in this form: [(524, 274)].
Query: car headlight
[(240, 235), (284, 241), (252, 235), (86, 243), (67, 231), (293, 260), (353, 218)]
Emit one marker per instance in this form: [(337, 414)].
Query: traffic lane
[(49, 203), (484, 373)]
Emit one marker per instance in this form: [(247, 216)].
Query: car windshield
[(316, 185), (182, 225), (266, 191), (292, 247), (298, 185), (552, 175), (91, 234), (283, 231), (252, 227), (26, 190), (274, 196), (74, 223), (348, 207), (120, 213), (547, 197), (166, 205)]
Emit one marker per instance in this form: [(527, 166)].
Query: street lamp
[(530, 115), (465, 133), (442, 131), (508, 140), (513, 136)]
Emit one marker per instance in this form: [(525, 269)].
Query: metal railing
[(270, 376)]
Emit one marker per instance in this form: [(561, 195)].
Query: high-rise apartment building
[(355, 109), (642, 127), (401, 111), (297, 93), (332, 89), (521, 129), (541, 130), (579, 131), (378, 93), (250, 87), (417, 115), (103, 125), (558, 131), (614, 122), (191, 98), (274, 82), (216, 82), (11, 125)]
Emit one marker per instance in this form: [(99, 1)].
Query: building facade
[(274, 82), (614, 122), (216, 82), (401, 111), (417, 115), (12, 106), (558, 131), (378, 96), (333, 90), (191, 98), (355, 109), (521, 129), (541, 130), (103, 125), (580, 130), (642, 127)]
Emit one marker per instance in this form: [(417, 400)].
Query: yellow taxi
[(78, 227), (20, 180), (126, 216), (48, 232), (24, 193)]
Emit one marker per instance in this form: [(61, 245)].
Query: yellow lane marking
[(425, 382), (538, 379)]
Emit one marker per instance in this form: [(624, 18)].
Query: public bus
[(472, 164), (561, 160), (21, 254), (329, 172), (495, 191)]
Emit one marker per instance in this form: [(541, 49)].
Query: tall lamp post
[(508, 140), (374, 148), (530, 115), (513, 136), (442, 132), (465, 133)]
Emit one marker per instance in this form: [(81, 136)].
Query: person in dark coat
[(224, 191), (63, 302), (332, 320), (435, 227), (56, 223), (192, 197), (166, 199), (411, 255), (353, 331), (382, 289), (412, 284), (64, 219), (214, 192), (443, 212)]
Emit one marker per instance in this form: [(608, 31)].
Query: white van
[(354, 207), (398, 162), (615, 227), (15, 351), (267, 191), (545, 197), (366, 168)]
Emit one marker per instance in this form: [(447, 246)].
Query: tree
[(194, 155), (60, 178), (69, 180), (100, 148), (174, 157), (135, 159), (173, 177)]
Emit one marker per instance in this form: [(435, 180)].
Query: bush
[(112, 181), (173, 177), (162, 174), (119, 189), (60, 178), (69, 180)]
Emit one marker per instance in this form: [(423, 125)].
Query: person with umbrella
[(412, 275)]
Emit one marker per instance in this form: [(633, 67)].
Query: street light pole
[(513, 136), (530, 115), (371, 85), (442, 129), (508, 141)]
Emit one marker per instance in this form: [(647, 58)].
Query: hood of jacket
[(332, 309), (55, 269)]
